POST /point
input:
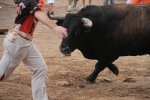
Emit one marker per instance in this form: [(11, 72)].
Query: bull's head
[(75, 25)]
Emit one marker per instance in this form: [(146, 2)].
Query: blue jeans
[(111, 2)]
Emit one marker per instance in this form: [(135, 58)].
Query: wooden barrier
[(3, 30)]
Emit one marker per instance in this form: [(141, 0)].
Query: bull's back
[(127, 29), (122, 28)]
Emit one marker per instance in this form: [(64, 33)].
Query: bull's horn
[(57, 17), (87, 22)]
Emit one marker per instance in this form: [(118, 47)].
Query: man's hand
[(60, 31), (18, 11)]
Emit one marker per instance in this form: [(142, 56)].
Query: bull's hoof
[(88, 81), (116, 71)]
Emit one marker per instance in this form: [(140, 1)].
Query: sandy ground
[(65, 76)]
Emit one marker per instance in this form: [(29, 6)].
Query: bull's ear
[(59, 22), (87, 30)]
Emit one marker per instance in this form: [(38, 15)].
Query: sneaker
[(49, 14), (70, 8), (82, 7), (74, 8)]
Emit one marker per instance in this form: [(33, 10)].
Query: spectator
[(50, 7), (70, 7), (140, 1), (111, 2), (83, 3), (129, 2)]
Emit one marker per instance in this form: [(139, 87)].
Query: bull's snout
[(65, 51)]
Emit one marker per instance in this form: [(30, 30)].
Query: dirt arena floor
[(65, 76)]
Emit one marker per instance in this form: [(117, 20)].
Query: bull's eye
[(77, 32)]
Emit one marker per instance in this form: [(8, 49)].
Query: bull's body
[(118, 30)]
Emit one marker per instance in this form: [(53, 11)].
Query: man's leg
[(35, 62), (69, 2), (74, 6), (75, 2), (90, 2), (50, 7), (83, 3), (105, 2), (112, 1), (10, 60), (69, 5)]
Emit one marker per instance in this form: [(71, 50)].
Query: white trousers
[(25, 51), (50, 1)]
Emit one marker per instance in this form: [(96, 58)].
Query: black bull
[(114, 31)]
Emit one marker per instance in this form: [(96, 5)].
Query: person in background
[(19, 46), (140, 1), (70, 7), (50, 7), (111, 2), (128, 2), (83, 3)]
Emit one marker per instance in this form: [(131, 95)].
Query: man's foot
[(74, 8), (70, 8), (50, 13), (82, 7)]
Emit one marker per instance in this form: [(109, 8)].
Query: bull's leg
[(101, 65), (113, 68), (98, 68)]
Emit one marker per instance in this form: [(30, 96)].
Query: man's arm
[(42, 17)]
